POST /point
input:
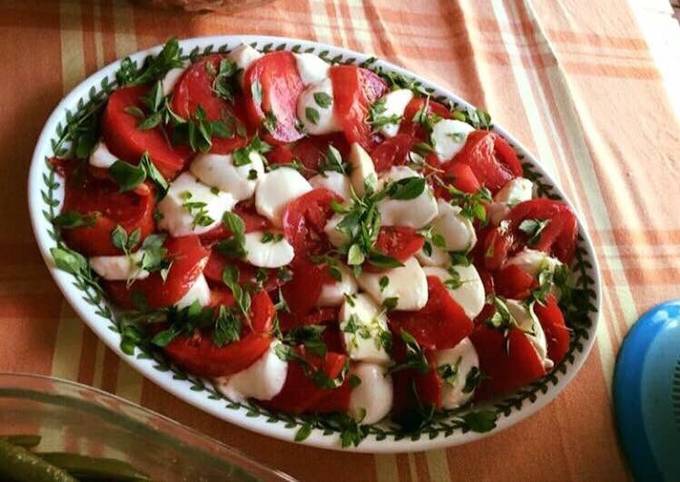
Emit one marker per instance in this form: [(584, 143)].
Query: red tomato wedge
[(414, 389), (391, 152), (491, 159), (188, 259), (305, 218), (415, 129), (272, 86), (398, 242), (513, 282), (309, 151), (247, 272), (355, 89), (441, 324), (246, 211), (199, 355), (508, 364), (556, 332), (494, 248), (460, 176), (302, 292), (88, 195), (317, 316), (128, 142), (558, 238), (300, 394)]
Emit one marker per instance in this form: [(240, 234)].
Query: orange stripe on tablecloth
[(404, 468), (421, 468), (107, 28), (109, 379), (88, 354)]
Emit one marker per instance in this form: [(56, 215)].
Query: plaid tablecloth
[(573, 79)]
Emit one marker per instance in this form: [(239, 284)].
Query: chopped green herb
[(74, 219)]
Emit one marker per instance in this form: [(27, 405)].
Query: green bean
[(17, 463), (25, 441), (93, 468)]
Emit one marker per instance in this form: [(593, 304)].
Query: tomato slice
[(127, 142), (491, 159), (441, 324), (513, 282), (555, 328), (415, 129), (309, 151), (275, 78), (460, 176), (413, 389), (246, 211), (303, 290), (398, 242), (393, 151), (355, 89), (305, 218), (507, 363), (300, 394), (317, 316), (89, 195), (188, 258), (495, 248), (559, 236), (198, 354)]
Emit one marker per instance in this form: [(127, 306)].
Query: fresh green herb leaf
[(227, 327), (323, 100), (68, 260), (407, 188), (312, 115), (533, 229), (233, 246), (480, 421), (74, 219), (126, 175), (154, 68), (383, 283)]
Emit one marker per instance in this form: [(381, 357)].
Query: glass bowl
[(71, 417)]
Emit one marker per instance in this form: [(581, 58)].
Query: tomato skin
[(200, 356), (398, 242), (127, 142), (391, 152), (412, 388), (461, 177), (491, 159), (194, 89), (441, 324), (513, 282), (246, 211), (281, 85), (188, 259), (87, 194), (317, 316), (506, 370), (302, 292), (304, 219), (557, 334), (214, 269), (496, 247), (414, 129)]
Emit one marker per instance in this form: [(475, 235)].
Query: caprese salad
[(315, 237)]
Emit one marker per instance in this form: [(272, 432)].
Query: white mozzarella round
[(470, 294), (532, 261), (515, 191), (395, 105), (333, 293), (362, 324), (456, 230), (318, 118), (437, 257), (407, 283), (462, 359), (333, 181), (336, 237), (362, 169), (218, 170), (243, 56), (311, 67), (532, 329), (276, 189), (262, 380), (181, 205), (448, 137), (118, 268), (199, 291), (170, 80), (371, 400), (413, 213), (101, 156), (272, 254)]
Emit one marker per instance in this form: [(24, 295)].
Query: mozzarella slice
[(219, 171), (189, 200), (456, 230), (333, 181), (199, 291), (413, 213), (262, 380), (272, 254), (459, 361), (243, 56), (362, 169), (118, 268), (407, 283), (448, 137), (312, 68), (364, 328), (515, 191), (170, 80), (101, 156), (371, 400), (315, 109), (532, 261), (437, 257), (395, 104), (528, 323), (276, 189), (470, 294), (333, 294), (336, 237)]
